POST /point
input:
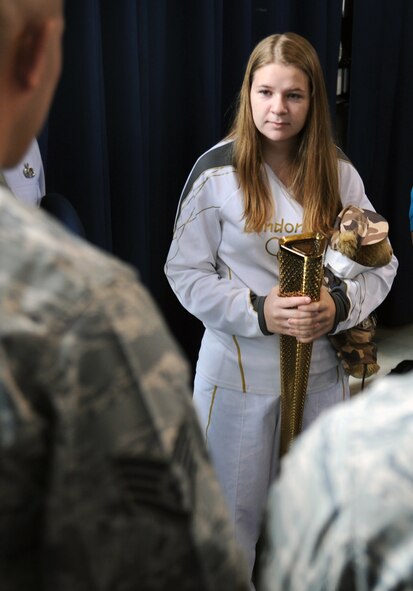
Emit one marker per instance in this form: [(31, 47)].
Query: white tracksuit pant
[(242, 431)]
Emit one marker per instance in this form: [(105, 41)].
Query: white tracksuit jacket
[(213, 264)]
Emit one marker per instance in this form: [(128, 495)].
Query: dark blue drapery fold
[(76, 150), (380, 129)]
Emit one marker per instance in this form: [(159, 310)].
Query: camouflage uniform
[(104, 479), (359, 243), (341, 516)]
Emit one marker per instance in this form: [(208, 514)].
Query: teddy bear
[(359, 242)]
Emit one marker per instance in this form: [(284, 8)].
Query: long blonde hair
[(314, 171)]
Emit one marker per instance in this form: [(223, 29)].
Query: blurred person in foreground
[(104, 478), (340, 518)]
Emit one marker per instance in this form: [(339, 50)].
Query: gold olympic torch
[(301, 273)]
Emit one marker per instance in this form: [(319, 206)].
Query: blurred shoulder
[(63, 275)]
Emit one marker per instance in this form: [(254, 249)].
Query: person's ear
[(31, 54)]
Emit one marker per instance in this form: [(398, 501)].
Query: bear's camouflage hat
[(368, 226)]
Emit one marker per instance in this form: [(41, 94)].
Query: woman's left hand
[(317, 319)]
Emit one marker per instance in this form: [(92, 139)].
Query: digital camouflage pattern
[(340, 518), (105, 483)]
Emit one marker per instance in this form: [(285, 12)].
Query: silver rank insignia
[(28, 171)]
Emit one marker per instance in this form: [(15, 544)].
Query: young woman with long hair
[(277, 173)]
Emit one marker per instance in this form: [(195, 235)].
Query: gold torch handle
[(301, 273)]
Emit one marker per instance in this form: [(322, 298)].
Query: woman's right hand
[(279, 310)]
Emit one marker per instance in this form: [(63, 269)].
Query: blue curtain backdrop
[(147, 86)]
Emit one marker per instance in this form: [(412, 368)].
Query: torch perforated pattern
[(301, 272)]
